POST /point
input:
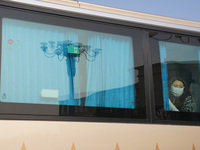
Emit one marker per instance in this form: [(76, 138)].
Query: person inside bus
[(182, 98)]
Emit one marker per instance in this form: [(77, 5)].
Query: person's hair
[(178, 101)]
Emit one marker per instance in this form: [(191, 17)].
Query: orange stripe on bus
[(73, 146), (193, 147), (117, 147), (157, 148), (23, 146)]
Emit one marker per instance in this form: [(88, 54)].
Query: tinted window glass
[(176, 71), (77, 70), (41, 64)]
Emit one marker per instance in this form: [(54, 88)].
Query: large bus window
[(176, 70), (80, 72)]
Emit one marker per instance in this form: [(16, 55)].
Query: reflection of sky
[(182, 52)]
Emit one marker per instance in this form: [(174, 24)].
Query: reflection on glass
[(180, 71), (28, 76)]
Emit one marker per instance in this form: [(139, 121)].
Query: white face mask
[(177, 92)]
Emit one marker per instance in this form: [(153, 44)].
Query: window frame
[(153, 103)]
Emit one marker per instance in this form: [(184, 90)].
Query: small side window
[(176, 72)]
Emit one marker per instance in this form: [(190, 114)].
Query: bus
[(80, 76)]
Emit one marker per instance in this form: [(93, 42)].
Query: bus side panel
[(47, 135)]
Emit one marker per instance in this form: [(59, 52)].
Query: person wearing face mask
[(180, 98)]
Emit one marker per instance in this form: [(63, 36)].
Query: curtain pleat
[(109, 81)]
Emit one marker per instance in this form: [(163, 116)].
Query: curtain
[(25, 70), (110, 83), (164, 74)]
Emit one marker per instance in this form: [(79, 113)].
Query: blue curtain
[(110, 83), (164, 74), (25, 70)]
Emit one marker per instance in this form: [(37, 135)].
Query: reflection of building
[(117, 98), (136, 93), (187, 71)]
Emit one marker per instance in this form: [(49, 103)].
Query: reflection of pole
[(71, 51), (71, 70)]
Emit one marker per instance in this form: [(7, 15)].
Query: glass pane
[(46, 64), (180, 76)]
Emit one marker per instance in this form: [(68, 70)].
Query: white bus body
[(82, 134)]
